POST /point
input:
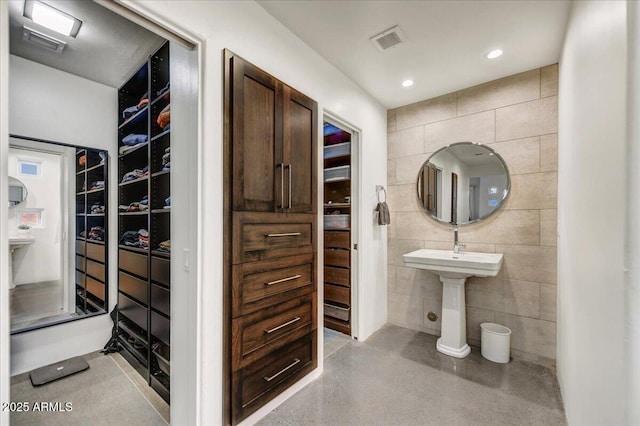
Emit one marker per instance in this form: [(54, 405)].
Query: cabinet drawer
[(133, 286), (262, 332), (80, 263), (132, 310), (161, 328), (133, 263), (337, 275), (337, 239), (337, 312), (260, 236), (80, 278), (336, 293), (96, 288), (95, 269), (161, 270), (261, 381), (95, 252), (258, 285), (337, 258), (161, 299), (80, 247)]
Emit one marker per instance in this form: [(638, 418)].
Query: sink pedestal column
[(453, 340)]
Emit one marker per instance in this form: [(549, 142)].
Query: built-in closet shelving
[(91, 232), (144, 174), (337, 229)]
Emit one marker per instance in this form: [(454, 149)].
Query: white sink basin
[(454, 269), (17, 242), (448, 264)]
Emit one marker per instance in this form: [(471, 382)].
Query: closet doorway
[(341, 144)]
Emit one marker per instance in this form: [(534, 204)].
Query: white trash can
[(495, 342)]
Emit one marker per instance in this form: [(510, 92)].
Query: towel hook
[(379, 189)]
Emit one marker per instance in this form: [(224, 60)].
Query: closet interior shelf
[(159, 135), (134, 117), (168, 92), (133, 150), (140, 179)]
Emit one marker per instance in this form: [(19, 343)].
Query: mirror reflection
[(463, 183), (57, 235), (17, 192)]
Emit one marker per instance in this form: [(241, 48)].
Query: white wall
[(246, 29), (49, 104), (591, 214)]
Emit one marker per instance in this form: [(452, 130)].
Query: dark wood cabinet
[(270, 236), (144, 199)]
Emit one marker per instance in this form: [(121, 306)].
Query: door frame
[(356, 223)]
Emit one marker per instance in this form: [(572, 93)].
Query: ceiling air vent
[(35, 37), (388, 39)]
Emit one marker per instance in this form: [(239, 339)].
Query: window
[(29, 167), (31, 217)]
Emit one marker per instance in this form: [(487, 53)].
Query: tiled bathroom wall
[(518, 117)]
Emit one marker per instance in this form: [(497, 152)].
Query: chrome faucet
[(456, 244)]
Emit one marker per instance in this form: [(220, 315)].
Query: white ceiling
[(446, 41), (108, 48)]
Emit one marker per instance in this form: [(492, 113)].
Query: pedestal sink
[(14, 244), (454, 269)]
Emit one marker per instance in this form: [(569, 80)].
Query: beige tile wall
[(518, 117)]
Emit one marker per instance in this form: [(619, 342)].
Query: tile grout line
[(139, 390)]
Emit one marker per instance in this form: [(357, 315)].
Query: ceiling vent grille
[(36, 37), (388, 39)]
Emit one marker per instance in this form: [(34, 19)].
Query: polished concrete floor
[(397, 377), (333, 341), (36, 304), (108, 394)]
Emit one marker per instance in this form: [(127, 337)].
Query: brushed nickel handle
[(296, 361), (290, 172), (296, 319), (286, 234), (293, 277), (281, 165)]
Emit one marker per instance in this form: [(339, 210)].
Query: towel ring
[(379, 189)]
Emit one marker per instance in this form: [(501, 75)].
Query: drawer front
[(161, 328), (133, 263), (96, 288), (261, 381), (258, 285), (161, 270), (161, 299), (260, 333), (95, 252), (337, 275), (336, 293), (80, 278), (80, 260), (80, 247), (260, 236), (336, 239), (339, 258), (95, 269), (133, 286), (132, 310)]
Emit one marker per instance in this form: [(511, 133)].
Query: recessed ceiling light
[(51, 18), (494, 54), (407, 83)]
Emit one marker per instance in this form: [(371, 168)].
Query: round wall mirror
[(463, 183), (17, 192)]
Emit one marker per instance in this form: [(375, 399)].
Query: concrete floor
[(397, 377)]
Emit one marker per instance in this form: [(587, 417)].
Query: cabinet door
[(256, 130), (299, 138)]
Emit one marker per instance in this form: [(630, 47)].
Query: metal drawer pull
[(289, 165), (296, 319), (286, 234), (293, 277), (296, 361)]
